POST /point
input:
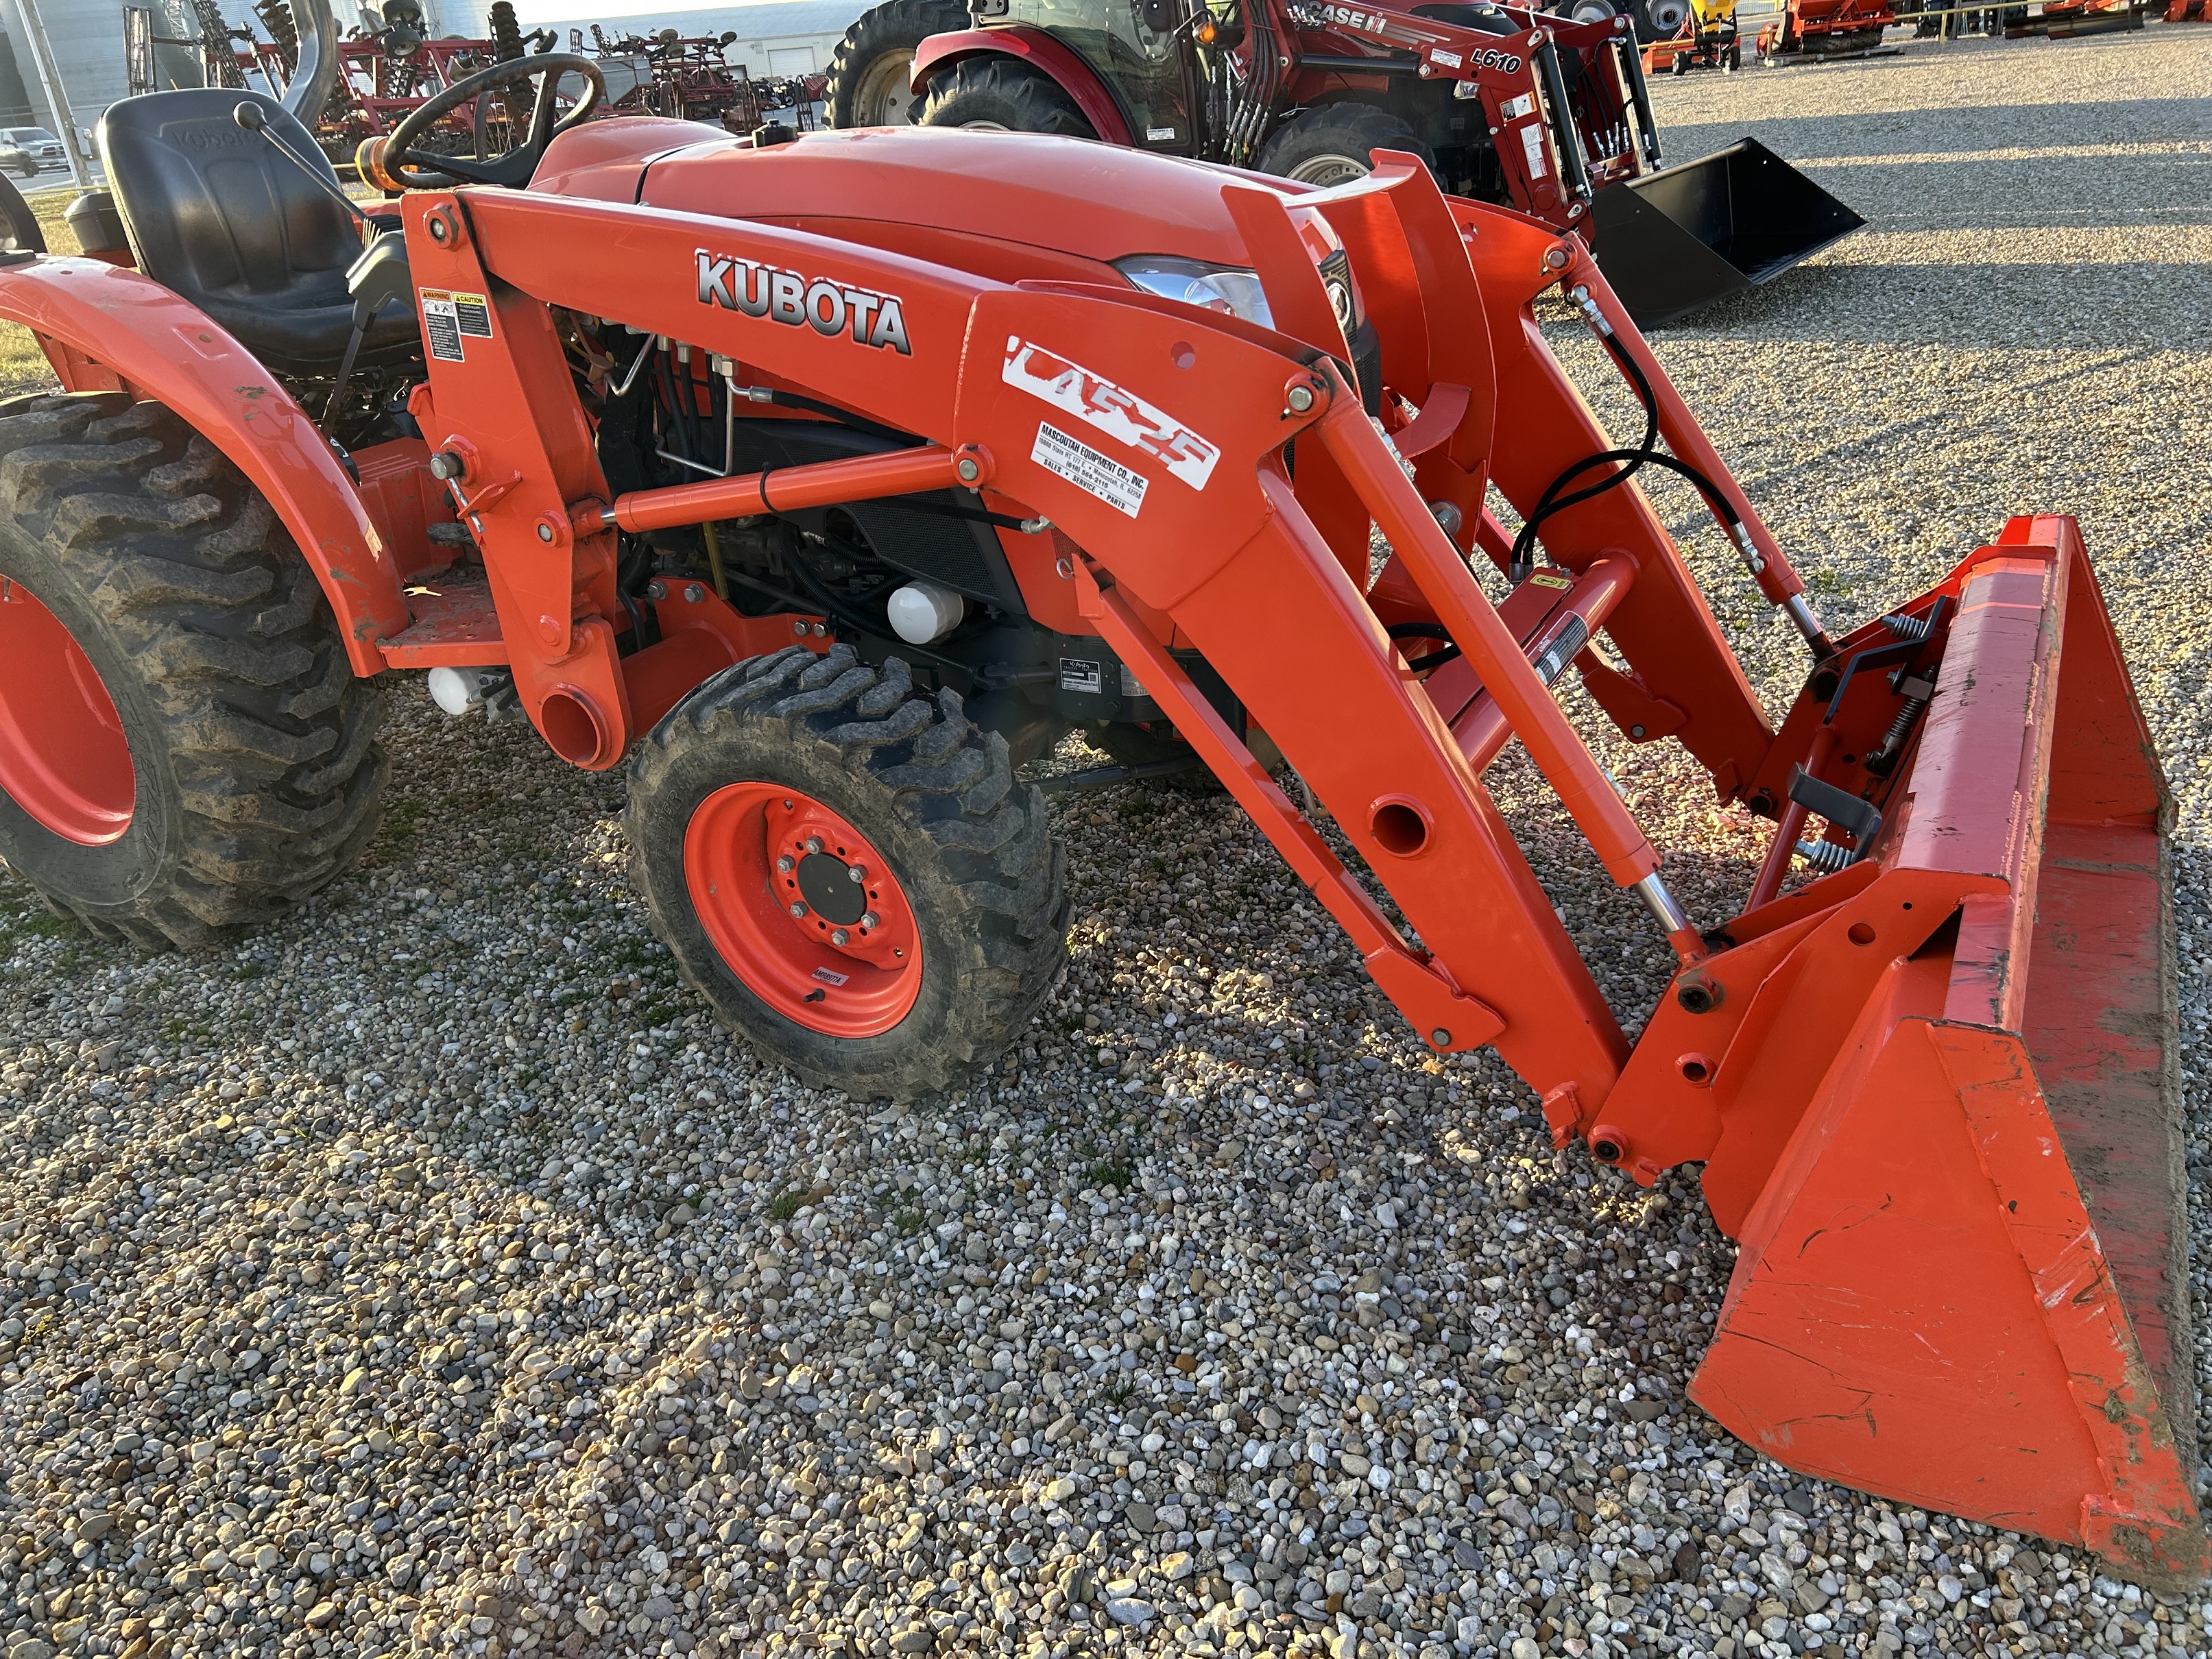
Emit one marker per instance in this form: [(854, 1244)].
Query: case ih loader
[(824, 480), (1546, 112)]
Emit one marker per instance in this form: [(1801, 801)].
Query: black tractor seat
[(216, 215)]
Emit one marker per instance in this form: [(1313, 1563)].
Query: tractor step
[(455, 626)]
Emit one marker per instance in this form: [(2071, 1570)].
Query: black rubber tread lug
[(270, 742), (1009, 870)]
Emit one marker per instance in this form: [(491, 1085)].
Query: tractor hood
[(1013, 208)]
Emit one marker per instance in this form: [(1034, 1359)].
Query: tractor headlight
[(1210, 288)]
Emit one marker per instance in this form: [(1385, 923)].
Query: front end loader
[(821, 481)]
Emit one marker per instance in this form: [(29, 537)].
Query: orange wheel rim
[(772, 874), (64, 757)]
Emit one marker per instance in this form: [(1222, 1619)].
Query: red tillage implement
[(831, 480)]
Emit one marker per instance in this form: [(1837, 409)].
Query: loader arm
[(1900, 1062)]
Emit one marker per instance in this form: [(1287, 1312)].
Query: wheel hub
[(802, 909), (833, 888), (63, 757)]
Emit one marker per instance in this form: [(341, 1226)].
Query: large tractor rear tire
[(848, 871), (182, 747), (1003, 94), (1333, 143), (870, 70)]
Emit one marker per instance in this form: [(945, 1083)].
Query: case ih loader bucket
[(1676, 240)]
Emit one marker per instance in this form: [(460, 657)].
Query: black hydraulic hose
[(1426, 631), (1629, 462)]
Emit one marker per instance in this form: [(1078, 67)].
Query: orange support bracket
[(1446, 1018)]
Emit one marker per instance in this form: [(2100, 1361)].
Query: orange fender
[(107, 329)]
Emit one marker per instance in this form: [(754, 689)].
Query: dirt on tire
[(257, 773), (896, 27), (970, 845)]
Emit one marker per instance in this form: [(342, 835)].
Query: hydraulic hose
[(1629, 462)]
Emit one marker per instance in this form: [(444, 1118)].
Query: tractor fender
[(1068, 67), (105, 328)]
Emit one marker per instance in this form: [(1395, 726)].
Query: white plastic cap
[(457, 691), (924, 612)]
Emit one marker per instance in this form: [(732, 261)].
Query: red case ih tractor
[(1532, 110), (825, 514)]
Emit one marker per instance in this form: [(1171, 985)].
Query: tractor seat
[(216, 215)]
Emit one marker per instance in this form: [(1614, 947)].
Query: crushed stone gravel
[(429, 1274)]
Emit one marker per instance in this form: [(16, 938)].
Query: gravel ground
[(429, 1273)]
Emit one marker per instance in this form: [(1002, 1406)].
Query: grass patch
[(23, 367), (788, 1203)]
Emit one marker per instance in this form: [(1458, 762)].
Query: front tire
[(182, 746), (870, 70), (752, 806), (1002, 95), (1334, 144)]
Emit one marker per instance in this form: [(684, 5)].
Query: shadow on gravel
[(1953, 130), (2154, 190), (1996, 307)]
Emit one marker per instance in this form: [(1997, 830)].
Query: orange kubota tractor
[(822, 482), (1546, 112)]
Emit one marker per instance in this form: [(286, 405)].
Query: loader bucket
[(1680, 238), (1947, 1132)]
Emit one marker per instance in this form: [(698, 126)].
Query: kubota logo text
[(1118, 413), (785, 296)]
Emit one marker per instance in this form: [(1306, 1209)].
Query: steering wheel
[(416, 169)]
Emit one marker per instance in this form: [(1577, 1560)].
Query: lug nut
[(798, 911), (814, 843), (856, 872), (784, 864), (871, 919), (839, 935)]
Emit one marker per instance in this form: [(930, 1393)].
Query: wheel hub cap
[(829, 887), (64, 757)]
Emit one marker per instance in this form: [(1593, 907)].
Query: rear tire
[(1333, 143), (252, 776), (870, 70), (958, 855), (1005, 95)]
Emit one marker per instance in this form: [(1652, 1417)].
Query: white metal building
[(774, 37)]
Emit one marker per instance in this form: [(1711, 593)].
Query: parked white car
[(41, 146)]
